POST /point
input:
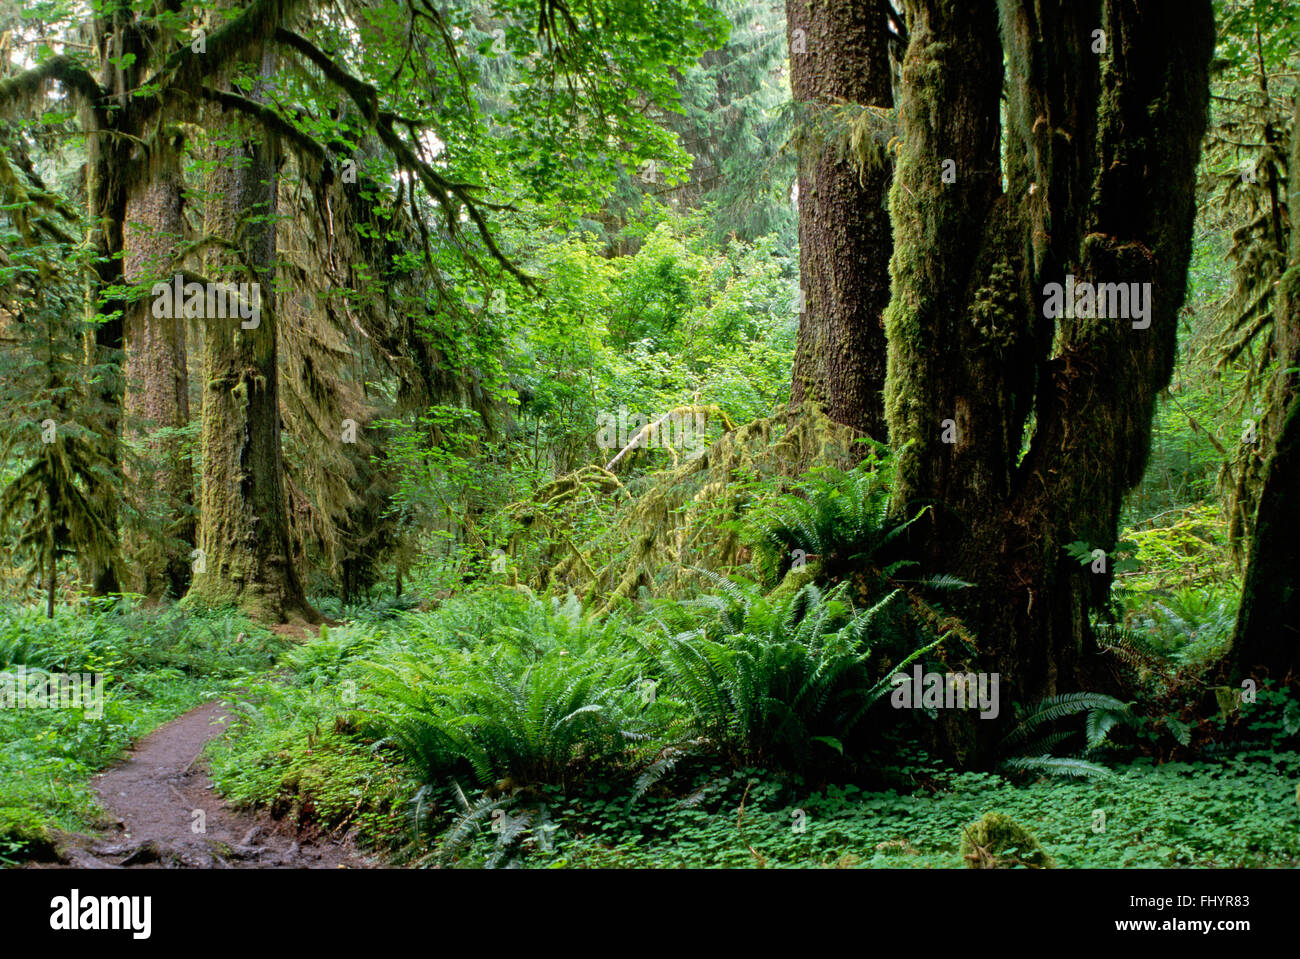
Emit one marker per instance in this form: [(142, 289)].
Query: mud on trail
[(156, 796)]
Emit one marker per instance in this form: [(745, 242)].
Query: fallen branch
[(652, 429)]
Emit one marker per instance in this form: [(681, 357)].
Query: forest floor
[(166, 813), (217, 743)]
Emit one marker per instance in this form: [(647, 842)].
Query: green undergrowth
[(156, 663), (290, 749), (1240, 812), (502, 729)]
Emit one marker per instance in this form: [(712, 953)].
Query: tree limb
[(62, 68), (186, 70), (271, 120), (366, 97)]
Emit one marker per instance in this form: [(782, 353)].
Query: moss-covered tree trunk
[(106, 200), (244, 523), (839, 55), (1267, 639), (51, 547), (1027, 428), (118, 113), (157, 386), (115, 35)]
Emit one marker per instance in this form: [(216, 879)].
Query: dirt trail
[(168, 814)]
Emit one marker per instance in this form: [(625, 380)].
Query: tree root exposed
[(86, 852)]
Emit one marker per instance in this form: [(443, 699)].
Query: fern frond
[(1056, 707), (1056, 766)]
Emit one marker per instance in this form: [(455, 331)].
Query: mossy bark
[(1267, 637), (118, 117), (102, 571), (157, 386), (115, 34), (1267, 640), (1026, 431), (244, 529), (839, 54)]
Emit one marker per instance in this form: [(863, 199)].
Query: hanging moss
[(871, 136), (683, 516), (691, 512)]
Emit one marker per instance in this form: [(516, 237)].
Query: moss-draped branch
[(63, 69), (269, 120), (450, 195)]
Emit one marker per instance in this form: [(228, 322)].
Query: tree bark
[(157, 386), (102, 571), (1267, 640), (244, 531), (839, 55), (1267, 637), (107, 160), (51, 551), (1025, 431)]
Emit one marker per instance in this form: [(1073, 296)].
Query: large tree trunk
[(244, 530), (105, 203), (839, 54), (944, 356), (157, 386), (1267, 640), (107, 160), (1099, 185)]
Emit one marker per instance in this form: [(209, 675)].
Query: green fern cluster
[(1192, 626), (763, 681), (553, 690), (518, 828), (840, 519), (550, 694)]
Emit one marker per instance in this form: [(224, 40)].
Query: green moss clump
[(997, 312), (795, 580), (999, 842), (23, 835)]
